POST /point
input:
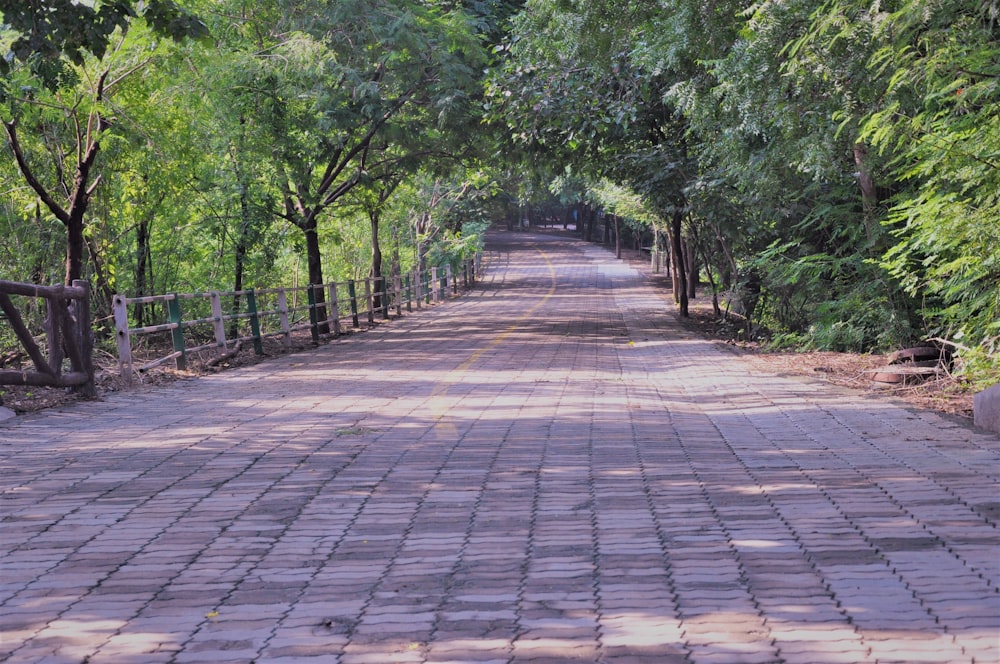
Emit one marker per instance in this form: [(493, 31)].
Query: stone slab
[(987, 409)]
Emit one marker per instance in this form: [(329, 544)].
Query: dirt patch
[(946, 394), (29, 399)]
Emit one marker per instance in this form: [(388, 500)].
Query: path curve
[(547, 469)]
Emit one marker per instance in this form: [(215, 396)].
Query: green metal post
[(385, 297), (177, 334), (258, 347), (352, 295), (313, 320)]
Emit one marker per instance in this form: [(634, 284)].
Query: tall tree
[(334, 82), (941, 127), (66, 60)]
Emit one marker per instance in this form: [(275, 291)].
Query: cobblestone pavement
[(545, 470)]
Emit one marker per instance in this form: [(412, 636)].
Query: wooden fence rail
[(67, 331), (199, 322)]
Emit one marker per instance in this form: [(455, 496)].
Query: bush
[(859, 323)]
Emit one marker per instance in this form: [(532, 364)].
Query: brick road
[(545, 470)]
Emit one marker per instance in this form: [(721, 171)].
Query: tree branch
[(333, 170), (29, 176)]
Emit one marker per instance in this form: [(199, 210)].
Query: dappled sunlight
[(766, 545), (634, 628), (78, 637), (575, 486), (757, 489)]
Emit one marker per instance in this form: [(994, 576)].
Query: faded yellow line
[(439, 409)]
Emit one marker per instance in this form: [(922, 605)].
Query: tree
[(335, 83), (578, 85), (59, 81), (48, 31), (941, 127)]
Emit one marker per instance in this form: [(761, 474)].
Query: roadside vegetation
[(825, 172)]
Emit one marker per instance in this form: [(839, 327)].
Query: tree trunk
[(618, 236), (672, 267), (143, 267), (376, 270), (74, 245), (588, 234), (707, 262), (680, 280), (315, 265), (691, 266), (420, 230), (729, 273), (242, 247), (869, 192)]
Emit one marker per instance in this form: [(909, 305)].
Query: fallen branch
[(225, 356), (156, 363), (951, 343)]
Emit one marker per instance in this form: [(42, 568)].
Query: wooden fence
[(68, 336), (198, 321)]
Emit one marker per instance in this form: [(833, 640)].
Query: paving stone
[(503, 478)]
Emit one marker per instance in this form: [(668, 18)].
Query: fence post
[(53, 332), (258, 347), (313, 320), (397, 285), (85, 336), (384, 284), (352, 294), (334, 309), (409, 293), (177, 333), (370, 301), (215, 301), (433, 288), (120, 306), (418, 285), (286, 329)]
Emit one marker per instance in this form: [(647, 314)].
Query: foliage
[(835, 160), (832, 163), (48, 30), (942, 124), (455, 247)]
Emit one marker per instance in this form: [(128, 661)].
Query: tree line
[(161, 145), (828, 167), (831, 166)]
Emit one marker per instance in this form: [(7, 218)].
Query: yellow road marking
[(438, 408)]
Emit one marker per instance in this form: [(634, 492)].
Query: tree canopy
[(828, 167), (833, 162)]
